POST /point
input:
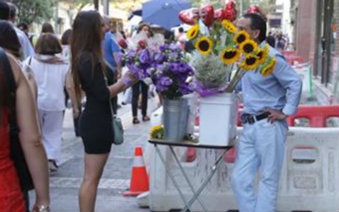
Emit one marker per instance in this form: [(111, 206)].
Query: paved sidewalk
[(116, 177)]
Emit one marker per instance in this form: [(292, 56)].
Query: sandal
[(145, 118), (135, 120)]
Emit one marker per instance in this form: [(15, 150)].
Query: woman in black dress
[(89, 74)]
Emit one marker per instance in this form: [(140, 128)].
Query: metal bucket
[(175, 119)]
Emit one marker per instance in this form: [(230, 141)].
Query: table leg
[(203, 185), (186, 209), (186, 177)]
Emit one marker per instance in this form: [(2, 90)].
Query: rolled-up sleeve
[(291, 81)]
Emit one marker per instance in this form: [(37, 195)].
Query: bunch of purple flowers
[(138, 62), (170, 72)]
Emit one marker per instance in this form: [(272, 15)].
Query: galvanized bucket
[(175, 117)]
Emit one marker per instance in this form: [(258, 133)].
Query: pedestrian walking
[(267, 100), (141, 87), (50, 73), (89, 72)]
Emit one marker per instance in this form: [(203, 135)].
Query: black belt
[(250, 119)]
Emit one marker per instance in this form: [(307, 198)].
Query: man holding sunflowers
[(269, 96)]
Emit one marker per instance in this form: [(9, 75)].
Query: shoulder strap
[(12, 90)]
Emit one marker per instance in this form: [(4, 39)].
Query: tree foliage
[(72, 7), (37, 11)]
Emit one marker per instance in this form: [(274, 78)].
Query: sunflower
[(268, 67), (230, 55), (241, 36), (157, 132), (229, 26), (250, 62), (193, 32), (262, 54), (204, 45), (248, 46)]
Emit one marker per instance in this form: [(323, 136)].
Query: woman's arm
[(72, 96), (126, 81), (30, 135)]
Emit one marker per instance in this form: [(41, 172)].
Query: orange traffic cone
[(139, 180)]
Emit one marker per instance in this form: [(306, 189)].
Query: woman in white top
[(50, 74)]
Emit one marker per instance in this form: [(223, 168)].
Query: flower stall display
[(168, 68), (215, 50), (222, 55)]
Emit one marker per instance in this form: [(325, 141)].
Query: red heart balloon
[(189, 16), (219, 14), (230, 5), (207, 14), (256, 9), (230, 11)]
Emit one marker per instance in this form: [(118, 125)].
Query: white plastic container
[(218, 119)]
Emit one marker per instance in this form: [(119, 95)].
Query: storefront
[(317, 41)]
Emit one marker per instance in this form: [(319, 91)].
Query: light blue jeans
[(261, 145)]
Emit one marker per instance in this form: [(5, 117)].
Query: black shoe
[(145, 118), (135, 120)]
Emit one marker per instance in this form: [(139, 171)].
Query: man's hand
[(275, 115)]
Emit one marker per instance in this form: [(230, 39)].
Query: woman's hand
[(129, 78)]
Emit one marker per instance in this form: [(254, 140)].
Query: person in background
[(270, 39), (280, 42), (66, 54), (8, 39), (141, 85), (24, 27), (8, 12), (261, 145), (12, 198), (90, 74), (181, 38), (111, 50), (50, 73), (47, 27)]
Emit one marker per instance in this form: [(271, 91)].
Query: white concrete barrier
[(309, 180)]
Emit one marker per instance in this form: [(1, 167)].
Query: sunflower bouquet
[(221, 49), (253, 57)]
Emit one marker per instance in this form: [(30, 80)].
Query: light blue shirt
[(110, 47), (26, 46), (280, 90)]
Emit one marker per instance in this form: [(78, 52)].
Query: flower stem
[(234, 81)]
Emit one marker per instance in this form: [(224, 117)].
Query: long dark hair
[(4, 93), (86, 37)]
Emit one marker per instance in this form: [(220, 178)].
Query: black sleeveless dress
[(95, 123)]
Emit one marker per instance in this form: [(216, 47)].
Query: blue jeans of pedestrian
[(260, 150)]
